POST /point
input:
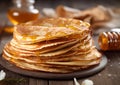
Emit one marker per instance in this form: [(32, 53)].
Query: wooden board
[(45, 75)]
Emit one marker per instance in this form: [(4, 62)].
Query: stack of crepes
[(57, 45)]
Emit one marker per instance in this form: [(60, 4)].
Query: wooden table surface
[(108, 76)]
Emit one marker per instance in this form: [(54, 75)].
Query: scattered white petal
[(2, 75), (76, 82), (87, 82), (109, 75), (111, 65), (99, 74)]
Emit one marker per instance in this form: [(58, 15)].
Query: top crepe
[(48, 29)]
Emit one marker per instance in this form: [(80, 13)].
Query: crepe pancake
[(45, 68), (25, 33), (50, 50), (48, 46), (59, 57), (44, 44), (39, 53), (43, 50), (41, 45), (25, 51), (54, 45), (93, 55)]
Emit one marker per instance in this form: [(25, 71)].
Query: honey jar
[(22, 11), (109, 41)]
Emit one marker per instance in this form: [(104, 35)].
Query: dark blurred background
[(40, 4), (80, 4)]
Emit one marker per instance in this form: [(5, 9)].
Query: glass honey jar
[(109, 41), (22, 11)]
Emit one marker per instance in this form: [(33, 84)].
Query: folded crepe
[(57, 45)]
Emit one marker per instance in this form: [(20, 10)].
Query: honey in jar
[(109, 41), (22, 11)]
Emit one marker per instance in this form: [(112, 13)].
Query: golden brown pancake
[(57, 28), (33, 59), (56, 45), (45, 67)]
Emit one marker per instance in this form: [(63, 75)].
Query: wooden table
[(109, 76)]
